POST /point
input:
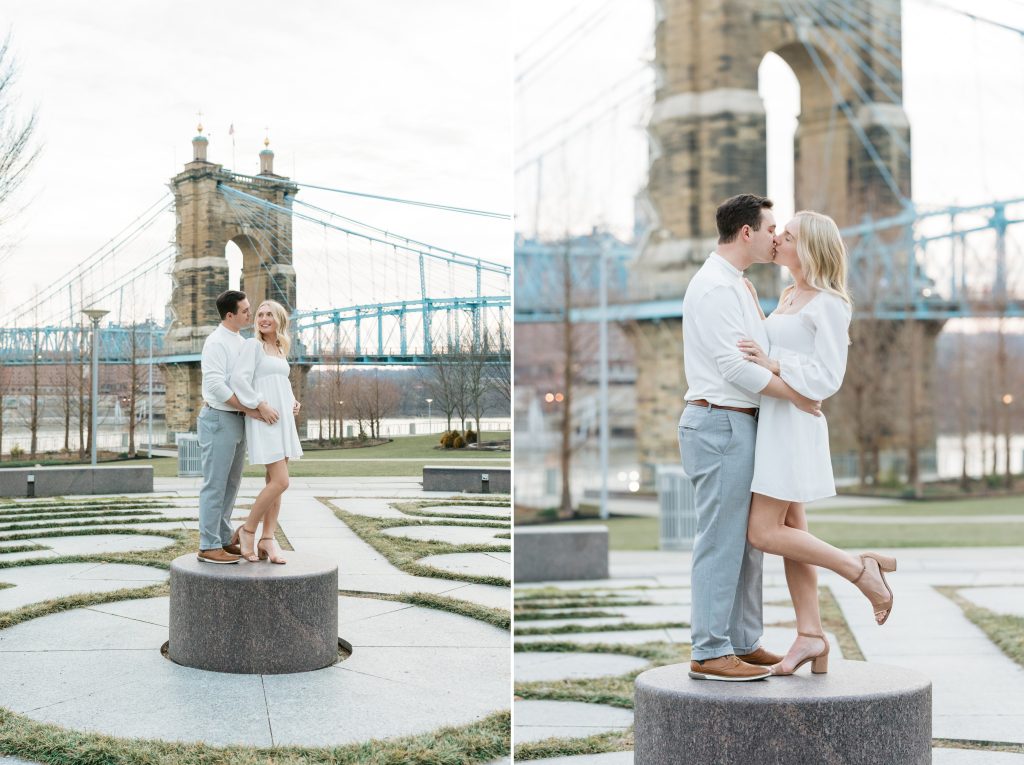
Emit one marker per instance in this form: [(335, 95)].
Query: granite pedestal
[(558, 553), (475, 479), (76, 479), (857, 714), (254, 618)]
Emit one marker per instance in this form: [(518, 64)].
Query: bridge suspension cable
[(128, 234), (485, 265), (432, 205)]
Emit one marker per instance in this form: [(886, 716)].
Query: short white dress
[(792, 459), (258, 377)]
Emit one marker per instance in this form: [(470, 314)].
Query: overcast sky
[(398, 98), (963, 94)]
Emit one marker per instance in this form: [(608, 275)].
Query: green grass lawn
[(937, 508), (631, 533), (368, 461)]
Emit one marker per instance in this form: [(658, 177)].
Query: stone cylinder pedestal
[(857, 714), (254, 618)]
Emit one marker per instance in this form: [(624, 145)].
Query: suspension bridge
[(701, 123), (370, 296)]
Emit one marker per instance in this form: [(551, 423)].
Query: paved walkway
[(978, 693), (412, 670)]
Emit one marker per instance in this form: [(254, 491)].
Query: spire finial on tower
[(199, 127)]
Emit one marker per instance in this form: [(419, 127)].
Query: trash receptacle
[(677, 508), (190, 458)]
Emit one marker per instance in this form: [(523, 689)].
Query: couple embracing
[(754, 442), (248, 402)]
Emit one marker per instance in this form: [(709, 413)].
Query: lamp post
[(95, 314), (341, 423), (429, 402)]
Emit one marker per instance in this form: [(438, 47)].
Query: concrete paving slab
[(489, 666), (4, 760), (417, 626), (172, 703), (82, 630), (148, 610), (943, 756), (1002, 600), (34, 584), (564, 666), (477, 564), (606, 758), (458, 535), (539, 720)]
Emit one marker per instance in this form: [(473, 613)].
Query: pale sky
[(398, 98), (963, 94)]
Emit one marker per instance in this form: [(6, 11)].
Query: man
[(222, 431), (717, 431)]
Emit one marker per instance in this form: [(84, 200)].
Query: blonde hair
[(822, 254), (284, 342)]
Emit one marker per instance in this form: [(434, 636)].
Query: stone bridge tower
[(708, 142), (206, 221)]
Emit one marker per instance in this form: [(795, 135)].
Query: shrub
[(17, 452), (471, 437), (459, 442), (448, 439), (362, 435)]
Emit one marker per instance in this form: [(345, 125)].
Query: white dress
[(258, 377), (792, 459)]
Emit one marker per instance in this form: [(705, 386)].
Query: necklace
[(792, 297)]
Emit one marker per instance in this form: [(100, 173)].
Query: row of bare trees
[(464, 382), (338, 395)]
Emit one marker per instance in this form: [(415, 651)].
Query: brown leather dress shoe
[(217, 555), (760, 657), (728, 668), (235, 549)]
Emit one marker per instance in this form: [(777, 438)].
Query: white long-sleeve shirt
[(244, 373), (718, 312), (220, 352), (819, 375)]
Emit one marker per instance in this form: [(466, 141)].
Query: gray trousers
[(222, 442), (717, 449)]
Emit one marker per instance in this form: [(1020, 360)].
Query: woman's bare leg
[(266, 500), (270, 524), (802, 579), (767, 531)]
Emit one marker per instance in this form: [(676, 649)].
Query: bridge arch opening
[(779, 88), (252, 274), (234, 257)]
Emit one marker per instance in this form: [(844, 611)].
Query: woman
[(261, 375), (792, 466)]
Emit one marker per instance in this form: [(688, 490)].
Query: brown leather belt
[(752, 411)]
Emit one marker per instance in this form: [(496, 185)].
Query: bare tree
[(5, 382), (442, 383), (18, 150), (382, 399), (499, 373)]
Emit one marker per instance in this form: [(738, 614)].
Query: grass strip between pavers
[(83, 600), (17, 518), (600, 743), (482, 741), (91, 532), (403, 553), (529, 616), (184, 541), (1006, 631), (22, 548), (569, 629), (496, 617), (86, 524), (5, 585), (543, 606), (984, 746)]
